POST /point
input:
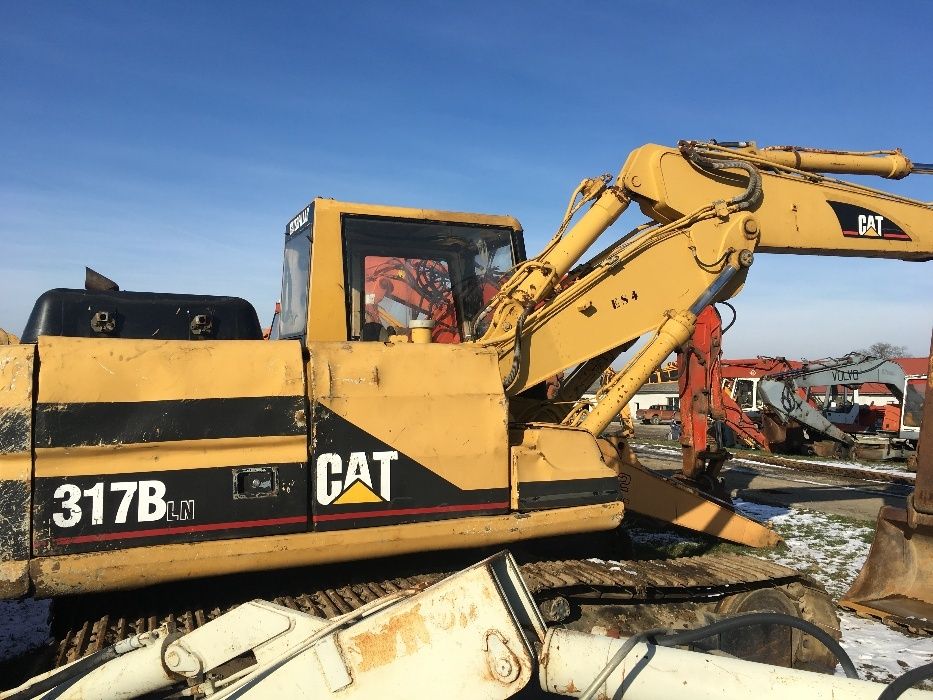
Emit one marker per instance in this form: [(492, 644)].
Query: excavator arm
[(782, 392), (712, 207)]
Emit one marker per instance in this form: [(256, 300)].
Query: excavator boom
[(713, 208), (781, 393)]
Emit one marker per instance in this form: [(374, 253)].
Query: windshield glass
[(296, 273), (913, 402)]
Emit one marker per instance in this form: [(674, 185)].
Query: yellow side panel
[(142, 442), (88, 369), (555, 466), (441, 405), (102, 571)]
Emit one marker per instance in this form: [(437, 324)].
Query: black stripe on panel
[(14, 430), (360, 481), (92, 512), (476, 502), (14, 523), (538, 495), (77, 424)]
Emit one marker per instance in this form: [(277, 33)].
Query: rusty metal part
[(627, 595), (699, 378), (896, 582)]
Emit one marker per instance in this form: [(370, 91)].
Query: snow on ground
[(833, 550), (829, 548), (24, 626), (874, 468), (878, 467), (881, 653)]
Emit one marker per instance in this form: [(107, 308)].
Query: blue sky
[(167, 144)]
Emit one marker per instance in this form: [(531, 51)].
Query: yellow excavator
[(148, 440)]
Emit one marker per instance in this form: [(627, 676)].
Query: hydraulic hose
[(670, 637), (905, 681), (764, 618), (752, 194), (617, 659), (735, 316), (516, 353)]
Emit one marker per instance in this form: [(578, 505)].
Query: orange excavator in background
[(792, 407), (400, 290)]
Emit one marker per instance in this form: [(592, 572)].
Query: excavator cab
[(390, 269)]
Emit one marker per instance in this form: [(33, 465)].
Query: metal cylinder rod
[(136, 674), (570, 661), (711, 295), (581, 236), (890, 165), (673, 333)]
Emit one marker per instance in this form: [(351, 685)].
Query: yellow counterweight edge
[(146, 566), (14, 579)]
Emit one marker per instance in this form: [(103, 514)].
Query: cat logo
[(858, 222), (869, 225), (338, 483)]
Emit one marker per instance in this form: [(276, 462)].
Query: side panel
[(557, 467), (16, 387), (406, 433), (152, 442)]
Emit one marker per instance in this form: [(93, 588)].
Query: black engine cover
[(113, 314)]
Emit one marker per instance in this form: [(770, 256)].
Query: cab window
[(402, 270), (296, 280)]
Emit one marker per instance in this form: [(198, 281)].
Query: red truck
[(657, 414)]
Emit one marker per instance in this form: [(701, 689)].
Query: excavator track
[(620, 597)]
